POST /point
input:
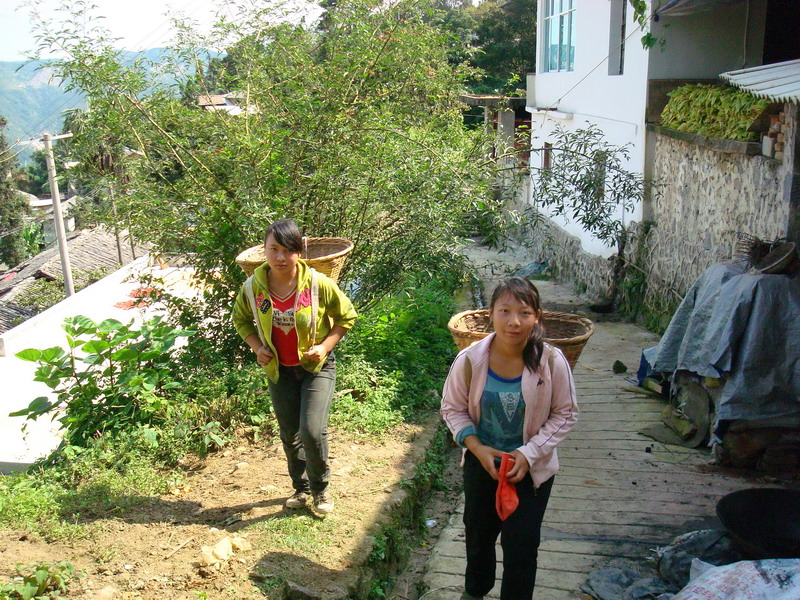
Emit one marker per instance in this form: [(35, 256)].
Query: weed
[(42, 580)]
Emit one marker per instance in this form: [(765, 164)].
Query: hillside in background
[(33, 101)]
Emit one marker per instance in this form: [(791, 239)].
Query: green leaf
[(53, 353), (110, 325), (82, 324), (150, 380), (27, 591), (125, 355), (150, 436), (92, 359), (31, 354), (95, 346), (38, 407)]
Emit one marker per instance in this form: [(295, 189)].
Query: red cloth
[(506, 498)]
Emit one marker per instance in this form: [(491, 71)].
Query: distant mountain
[(33, 101)]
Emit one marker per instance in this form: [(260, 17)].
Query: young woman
[(301, 370), (509, 393)]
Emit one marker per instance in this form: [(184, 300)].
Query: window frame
[(561, 15)]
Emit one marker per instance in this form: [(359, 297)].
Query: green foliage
[(587, 182), (713, 110), (640, 300), (35, 177), (113, 377), (642, 15), (394, 363), (505, 44), (13, 207), (33, 238), (41, 581), (354, 130), (43, 293), (108, 476)]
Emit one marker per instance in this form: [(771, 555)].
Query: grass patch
[(299, 533), (55, 499)]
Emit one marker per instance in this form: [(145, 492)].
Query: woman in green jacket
[(295, 348)]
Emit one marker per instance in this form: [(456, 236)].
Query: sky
[(141, 24)]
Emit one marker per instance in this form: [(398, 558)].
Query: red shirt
[(284, 331)]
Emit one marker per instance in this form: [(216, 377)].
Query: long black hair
[(286, 233), (524, 291)]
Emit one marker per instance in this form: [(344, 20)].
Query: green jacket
[(334, 308)]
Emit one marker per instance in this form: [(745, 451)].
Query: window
[(598, 175), (616, 37), (547, 156), (559, 35)]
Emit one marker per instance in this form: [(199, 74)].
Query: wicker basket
[(326, 255), (564, 330)]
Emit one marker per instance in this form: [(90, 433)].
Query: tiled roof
[(92, 250)]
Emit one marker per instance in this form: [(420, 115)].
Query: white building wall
[(703, 45), (615, 103)]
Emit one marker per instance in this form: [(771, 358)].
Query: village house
[(229, 103), (593, 70)]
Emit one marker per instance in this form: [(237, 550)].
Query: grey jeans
[(302, 401)]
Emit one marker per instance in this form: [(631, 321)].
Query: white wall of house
[(697, 46), (706, 44), (588, 94)]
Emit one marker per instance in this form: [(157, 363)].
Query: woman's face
[(280, 258), (513, 320)]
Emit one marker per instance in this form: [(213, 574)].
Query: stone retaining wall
[(702, 197)]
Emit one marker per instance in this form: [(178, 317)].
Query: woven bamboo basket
[(564, 330), (326, 255)]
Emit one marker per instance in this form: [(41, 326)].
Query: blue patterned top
[(502, 414)]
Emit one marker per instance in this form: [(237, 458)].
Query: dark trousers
[(519, 534), (302, 401)]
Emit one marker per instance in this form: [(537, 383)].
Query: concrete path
[(619, 494)]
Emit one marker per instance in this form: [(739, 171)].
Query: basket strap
[(314, 304), (467, 372), (248, 288)]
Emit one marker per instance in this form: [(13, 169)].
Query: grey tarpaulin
[(746, 327)]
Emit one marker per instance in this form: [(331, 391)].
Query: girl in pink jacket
[(509, 393)]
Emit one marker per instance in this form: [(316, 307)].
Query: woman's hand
[(484, 454), (517, 472), (316, 353), (264, 355)]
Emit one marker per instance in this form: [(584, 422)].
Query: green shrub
[(715, 111), (113, 378)]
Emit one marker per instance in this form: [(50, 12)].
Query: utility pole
[(66, 268)]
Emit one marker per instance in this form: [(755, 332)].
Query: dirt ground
[(154, 550)]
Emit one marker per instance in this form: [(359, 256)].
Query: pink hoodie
[(550, 405)]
